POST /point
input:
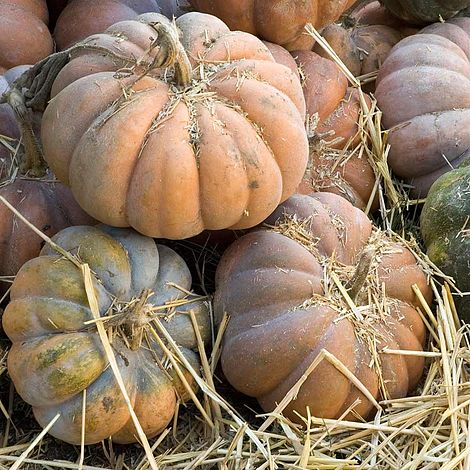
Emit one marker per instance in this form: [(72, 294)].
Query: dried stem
[(358, 280), (32, 162)]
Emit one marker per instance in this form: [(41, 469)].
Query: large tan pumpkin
[(278, 287), (55, 356), (423, 90), (278, 21), (24, 37), (171, 155)]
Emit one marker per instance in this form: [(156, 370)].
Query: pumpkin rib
[(289, 368)]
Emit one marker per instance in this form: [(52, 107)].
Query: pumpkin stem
[(32, 161), (171, 52), (359, 277), (136, 320)]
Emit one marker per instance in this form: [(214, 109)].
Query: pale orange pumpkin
[(213, 146)]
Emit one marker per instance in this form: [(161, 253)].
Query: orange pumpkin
[(280, 287), (24, 37), (363, 49), (423, 90), (213, 146), (276, 21), (337, 108), (55, 356)]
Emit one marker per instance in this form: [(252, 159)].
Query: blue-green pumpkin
[(445, 226)]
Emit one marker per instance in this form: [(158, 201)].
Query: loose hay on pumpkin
[(429, 430)]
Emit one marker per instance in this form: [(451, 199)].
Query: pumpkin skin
[(276, 21), (429, 129), (276, 328), (425, 11), (231, 173), (48, 206), (444, 225), (363, 49), (82, 18), (338, 108), (54, 357), (24, 37)]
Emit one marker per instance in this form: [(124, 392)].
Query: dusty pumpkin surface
[(24, 37), (280, 287), (55, 356), (216, 143), (429, 128), (276, 21)]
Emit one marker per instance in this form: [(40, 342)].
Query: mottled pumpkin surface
[(445, 226), (425, 11), (55, 356), (170, 160), (278, 21), (423, 90), (276, 284), (24, 37)]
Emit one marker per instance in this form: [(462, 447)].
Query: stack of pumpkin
[(163, 129)]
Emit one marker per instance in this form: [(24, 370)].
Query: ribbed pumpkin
[(24, 37), (425, 11), (363, 49), (55, 356), (445, 226), (423, 90), (279, 286), (173, 153), (82, 18), (337, 107), (47, 205), (277, 21)]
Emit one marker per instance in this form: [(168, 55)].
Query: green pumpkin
[(56, 355), (425, 11), (445, 226)]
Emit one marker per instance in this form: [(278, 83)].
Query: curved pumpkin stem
[(32, 162), (171, 53), (359, 277)]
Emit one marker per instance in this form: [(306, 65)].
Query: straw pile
[(221, 429)]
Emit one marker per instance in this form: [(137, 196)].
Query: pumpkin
[(55, 356), (24, 37), (445, 226), (345, 173), (82, 18), (49, 206), (215, 145), (337, 109), (429, 129), (425, 11), (362, 49), (276, 21), (279, 286)]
